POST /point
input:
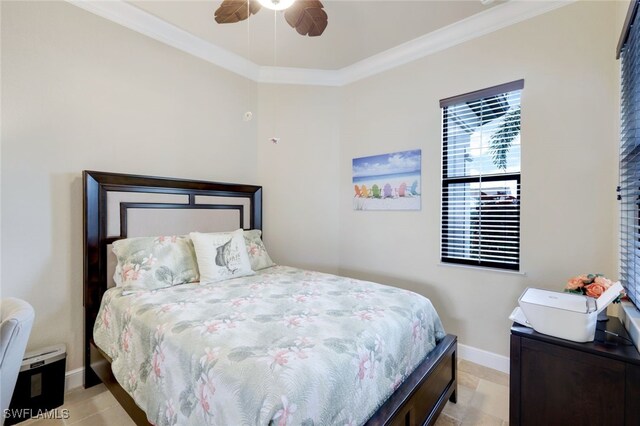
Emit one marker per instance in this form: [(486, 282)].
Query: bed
[(312, 335)]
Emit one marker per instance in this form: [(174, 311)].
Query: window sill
[(630, 317), (483, 268)]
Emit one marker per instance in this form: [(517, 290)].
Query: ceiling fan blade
[(307, 17), (231, 11)]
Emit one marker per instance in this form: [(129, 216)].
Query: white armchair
[(16, 321)]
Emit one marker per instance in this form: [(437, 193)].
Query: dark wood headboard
[(98, 185)]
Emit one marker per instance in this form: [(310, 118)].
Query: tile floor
[(483, 399)]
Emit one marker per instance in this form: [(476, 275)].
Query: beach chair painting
[(380, 181), (414, 188), (375, 191), (387, 191), (364, 192), (402, 190)]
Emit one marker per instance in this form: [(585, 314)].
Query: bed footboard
[(423, 395)]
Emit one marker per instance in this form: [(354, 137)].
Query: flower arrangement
[(592, 285)]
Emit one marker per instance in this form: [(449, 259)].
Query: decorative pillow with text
[(221, 256)]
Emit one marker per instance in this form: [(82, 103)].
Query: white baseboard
[(484, 358), (73, 379)]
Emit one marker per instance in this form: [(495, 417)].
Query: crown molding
[(145, 23), (483, 23), (303, 76), (475, 26)]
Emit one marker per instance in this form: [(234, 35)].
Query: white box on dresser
[(565, 315)]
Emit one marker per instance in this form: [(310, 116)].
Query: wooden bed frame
[(419, 399)]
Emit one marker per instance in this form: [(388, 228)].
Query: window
[(481, 177), (629, 189)]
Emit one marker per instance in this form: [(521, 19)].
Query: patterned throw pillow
[(148, 263), (256, 250), (221, 256)]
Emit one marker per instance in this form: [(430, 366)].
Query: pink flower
[(363, 294), (303, 341), (258, 286), (205, 391), (292, 321), (595, 290), (106, 316), (284, 413), (132, 379), (210, 355), (164, 239), (592, 285), (210, 327), (301, 353), (157, 361), (126, 338), (170, 413), (168, 307), (363, 315), (576, 283), (131, 272), (279, 357), (369, 313), (364, 363), (606, 283)]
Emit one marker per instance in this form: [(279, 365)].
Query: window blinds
[(481, 177), (629, 189)]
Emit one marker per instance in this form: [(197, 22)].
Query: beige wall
[(569, 148), (80, 92), (300, 174)]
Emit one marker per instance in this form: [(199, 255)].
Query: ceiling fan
[(306, 16)]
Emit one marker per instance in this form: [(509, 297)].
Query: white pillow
[(221, 256)]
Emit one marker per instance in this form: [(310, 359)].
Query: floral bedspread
[(284, 346)]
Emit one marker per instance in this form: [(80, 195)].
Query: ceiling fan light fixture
[(276, 4), (307, 17)]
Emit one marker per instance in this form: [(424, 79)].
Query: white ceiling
[(356, 30)]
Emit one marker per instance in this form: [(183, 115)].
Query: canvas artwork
[(387, 181)]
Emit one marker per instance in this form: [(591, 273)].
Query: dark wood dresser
[(559, 382)]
